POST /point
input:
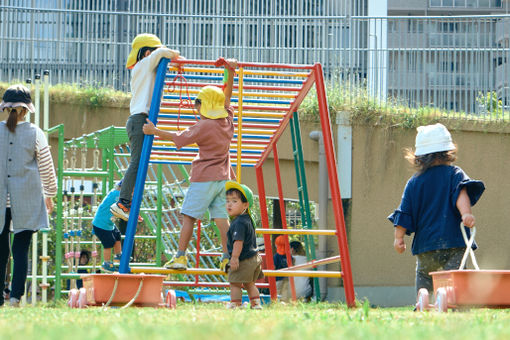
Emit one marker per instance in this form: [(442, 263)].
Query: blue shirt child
[(428, 208), (103, 217)]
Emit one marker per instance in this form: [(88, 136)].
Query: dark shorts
[(107, 237)]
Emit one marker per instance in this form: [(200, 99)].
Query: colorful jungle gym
[(266, 99)]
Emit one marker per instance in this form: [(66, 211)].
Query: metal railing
[(452, 63)]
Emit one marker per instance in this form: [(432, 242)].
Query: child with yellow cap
[(245, 262), (211, 168), (146, 52)]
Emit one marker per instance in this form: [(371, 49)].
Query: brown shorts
[(250, 270)]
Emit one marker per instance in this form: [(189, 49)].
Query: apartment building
[(440, 56)]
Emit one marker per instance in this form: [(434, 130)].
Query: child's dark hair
[(424, 162), (12, 120), (141, 52), (238, 193), (86, 253), (298, 247)]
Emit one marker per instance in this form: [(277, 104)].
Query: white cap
[(433, 138)]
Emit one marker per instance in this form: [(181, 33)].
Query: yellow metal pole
[(206, 271), (296, 231), (239, 122), (305, 273)]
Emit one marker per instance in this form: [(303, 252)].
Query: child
[(245, 261), (84, 260), (106, 231), (301, 284), (146, 52), (211, 168), (280, 262), (435, 200)]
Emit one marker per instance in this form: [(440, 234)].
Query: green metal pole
[(184, 173), (159, 215), (58, 231), (111, 158), (300, 168)]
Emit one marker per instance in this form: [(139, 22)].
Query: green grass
[(213, 321)]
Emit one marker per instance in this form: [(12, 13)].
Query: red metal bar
[(262, 108), (265, 224), (334, 186), (190, 122), (262, 65), (262, 142), (245, 87), (284, 218), (188, 154), (285, 121), (245, 107)]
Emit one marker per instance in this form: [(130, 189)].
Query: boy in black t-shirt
[(245, 262)]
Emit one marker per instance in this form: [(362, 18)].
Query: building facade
[(449, 54)]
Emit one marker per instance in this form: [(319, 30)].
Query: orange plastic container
[(476, 288), (100, 287)]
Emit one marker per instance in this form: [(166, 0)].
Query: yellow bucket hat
[(212, 102), (141, 40)]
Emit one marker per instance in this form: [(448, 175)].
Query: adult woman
[(26, 168)]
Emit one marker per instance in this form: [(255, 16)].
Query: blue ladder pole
[(142, 169)]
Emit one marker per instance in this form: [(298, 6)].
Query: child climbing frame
[(267, 99)]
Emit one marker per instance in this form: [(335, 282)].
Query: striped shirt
[(45, 165)]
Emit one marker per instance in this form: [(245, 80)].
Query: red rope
[(183, 102)]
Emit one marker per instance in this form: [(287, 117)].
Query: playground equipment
[(107, 152), (263, 113), (266, 102), (467, 288)]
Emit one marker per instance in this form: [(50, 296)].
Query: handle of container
[(469, 243)]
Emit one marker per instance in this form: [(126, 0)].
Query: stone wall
[(379, 174)]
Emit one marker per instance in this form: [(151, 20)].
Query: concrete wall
[(379, 174)]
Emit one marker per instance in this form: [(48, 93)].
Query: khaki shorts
[(250, 270)]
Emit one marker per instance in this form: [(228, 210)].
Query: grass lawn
[(213, 321)]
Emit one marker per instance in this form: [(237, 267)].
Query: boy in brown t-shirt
[(211, 168)]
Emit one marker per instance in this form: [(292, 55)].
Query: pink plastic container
[(100, 287), (476, 288)]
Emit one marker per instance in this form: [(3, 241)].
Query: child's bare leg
[(253, 293), (186, 232), (117, 249), (223, 226), (236, 293), (107, 254)]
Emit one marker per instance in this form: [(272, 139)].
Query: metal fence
[(453, 63)]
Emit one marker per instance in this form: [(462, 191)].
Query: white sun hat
[(433, 138)]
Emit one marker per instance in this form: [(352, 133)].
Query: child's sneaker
[(256, 306), (13, 302), (178, 263), (224, 265), (108, 266), (117, 257), (234, 305), (120, 210)]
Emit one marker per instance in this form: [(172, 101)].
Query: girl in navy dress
[(436, 199)]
